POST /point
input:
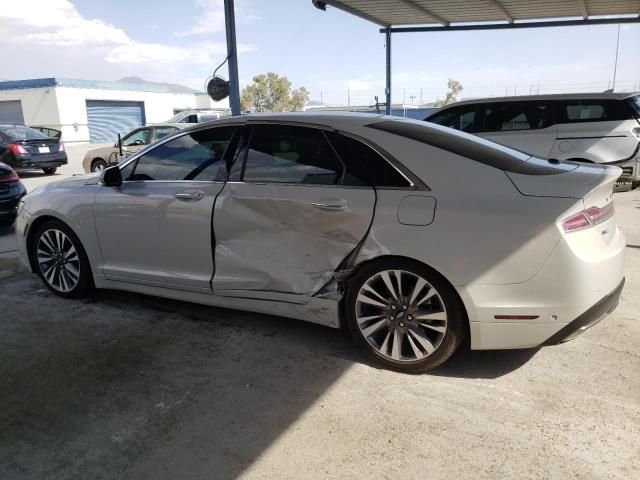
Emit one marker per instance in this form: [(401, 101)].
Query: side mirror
[(111, 177)]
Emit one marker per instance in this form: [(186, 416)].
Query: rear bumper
[(578, 285), (589, 318), (9, 204), (41, 161)]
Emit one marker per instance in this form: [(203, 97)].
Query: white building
[(94, 111)]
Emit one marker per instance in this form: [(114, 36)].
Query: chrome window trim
[(310, 185), (172, 181), (415, 183)]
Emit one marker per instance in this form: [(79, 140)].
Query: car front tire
[(404, 315), (60, 260)]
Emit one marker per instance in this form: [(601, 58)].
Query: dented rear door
[(284, 225)]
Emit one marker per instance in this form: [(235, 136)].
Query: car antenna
[(120, 156)]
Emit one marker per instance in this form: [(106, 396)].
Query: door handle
[(190, 196), (336, 205)]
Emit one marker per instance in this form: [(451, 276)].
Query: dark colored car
[(11, 191), (23, 147)]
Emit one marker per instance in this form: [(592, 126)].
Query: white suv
[(587, 127)]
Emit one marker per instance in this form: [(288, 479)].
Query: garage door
[(11, 112), (108, 118)]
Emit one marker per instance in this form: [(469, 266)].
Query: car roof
[(327, 119), (165, 124), (553, 96)]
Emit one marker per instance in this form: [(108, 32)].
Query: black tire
[(50, 170), (84, 283), (446, 297), (98, 165)]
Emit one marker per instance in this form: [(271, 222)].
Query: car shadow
[(487, 364), (122, 384)]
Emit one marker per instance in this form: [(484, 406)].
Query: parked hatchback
[(11, 191), (97, 159), (344, 219), (597, 128), (26, 148)]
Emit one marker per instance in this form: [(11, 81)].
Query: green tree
[(455, 87), (272, 93)]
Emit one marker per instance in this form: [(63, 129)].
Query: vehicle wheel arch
[(33, 228), (96, 160), (401, 258)]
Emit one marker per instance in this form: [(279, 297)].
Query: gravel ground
[(128, 386)]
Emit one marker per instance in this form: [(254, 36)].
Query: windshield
[(177, 117), (19, 132)]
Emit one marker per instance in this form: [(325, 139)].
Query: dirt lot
[(127, 386)]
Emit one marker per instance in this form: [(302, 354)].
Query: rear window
[(208, 117), (510, 116), (18, 132), (463, 144), (578, 111), (461, 118)]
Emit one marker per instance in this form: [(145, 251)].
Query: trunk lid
[(568, 180), (40, 146)]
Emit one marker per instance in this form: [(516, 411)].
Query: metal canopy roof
[(400, 16), (446, 13)]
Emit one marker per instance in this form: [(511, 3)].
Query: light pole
[(232, 52), (615, 65)]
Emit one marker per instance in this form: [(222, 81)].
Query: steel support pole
[(232, 52), (388, 84)]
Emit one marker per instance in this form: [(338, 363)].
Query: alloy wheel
[(58, 260), (401, 315)]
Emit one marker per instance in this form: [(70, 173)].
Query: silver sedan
[(411, 235)]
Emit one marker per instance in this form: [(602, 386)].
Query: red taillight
[(599, 215), (61, 147), (576, 222), (17, 149), (13, 177), (586, 218)]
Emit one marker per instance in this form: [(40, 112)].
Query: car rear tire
[(98, 165), (60, 260), (49, 170), (404, 315)]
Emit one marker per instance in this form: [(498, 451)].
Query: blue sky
[(330, 51)]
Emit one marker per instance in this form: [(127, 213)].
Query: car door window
[(291, 154), (194, 156), (161, 132), (577, 111), (509, 116), (461, 118), (137, 137)]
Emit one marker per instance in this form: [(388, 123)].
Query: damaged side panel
[(285, 239)]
